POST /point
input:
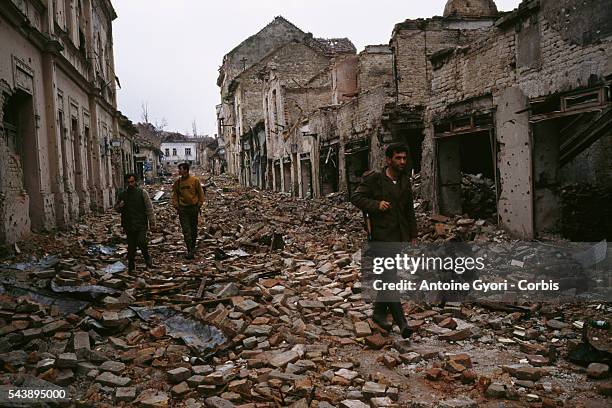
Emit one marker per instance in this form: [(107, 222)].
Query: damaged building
[(60, 135), (256, 79), (507, 115), (525, 103)]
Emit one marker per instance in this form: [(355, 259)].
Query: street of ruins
[(505, 118), (270, 314)]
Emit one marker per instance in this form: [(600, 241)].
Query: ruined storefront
[(527, 106)]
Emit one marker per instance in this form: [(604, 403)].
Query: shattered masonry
[(520, 99)]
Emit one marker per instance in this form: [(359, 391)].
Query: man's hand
[(384, 205)]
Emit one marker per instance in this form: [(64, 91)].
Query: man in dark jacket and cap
[(386, 199), (136, 218)]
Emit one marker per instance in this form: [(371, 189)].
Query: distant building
[(180, 152)]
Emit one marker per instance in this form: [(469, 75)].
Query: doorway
[(20, 134), (328, 170)]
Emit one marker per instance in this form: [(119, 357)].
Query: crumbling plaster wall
[(300, 102), (74, 100), (289, 96), (293, 64), (106, 130), (248, 101), (17, 205)]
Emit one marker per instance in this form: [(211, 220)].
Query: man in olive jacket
[(136, 217), (188, 198), (386, 200)]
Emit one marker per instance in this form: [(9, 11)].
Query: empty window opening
[(328, 170), (277, 177), (287, 188), (357, 163), (306, 171)]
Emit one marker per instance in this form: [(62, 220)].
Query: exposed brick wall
[(413, 43), (483, 68), (255, 48), (565, 66), (489, 66), (526, 56), (375, 68), (580, 22), (295, 64)]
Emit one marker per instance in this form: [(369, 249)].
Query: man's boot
[(398, 316), (131, 265), (380, 316), (190, 253), (149, 262)]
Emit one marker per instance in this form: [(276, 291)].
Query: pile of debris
[(478, 197), (271, 313), (586, 212)]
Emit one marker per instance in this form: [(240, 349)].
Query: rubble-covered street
[(270, 313)]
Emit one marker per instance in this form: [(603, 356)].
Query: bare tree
[(144, 115)]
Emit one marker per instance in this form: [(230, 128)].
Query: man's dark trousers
[(188, 217), (389, 300), (137, 239)]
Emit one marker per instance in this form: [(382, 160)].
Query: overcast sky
[(168, 52)]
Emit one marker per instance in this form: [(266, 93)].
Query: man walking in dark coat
[(136, 218), (386, 200)]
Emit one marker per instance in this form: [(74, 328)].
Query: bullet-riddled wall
[(528, 55)]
